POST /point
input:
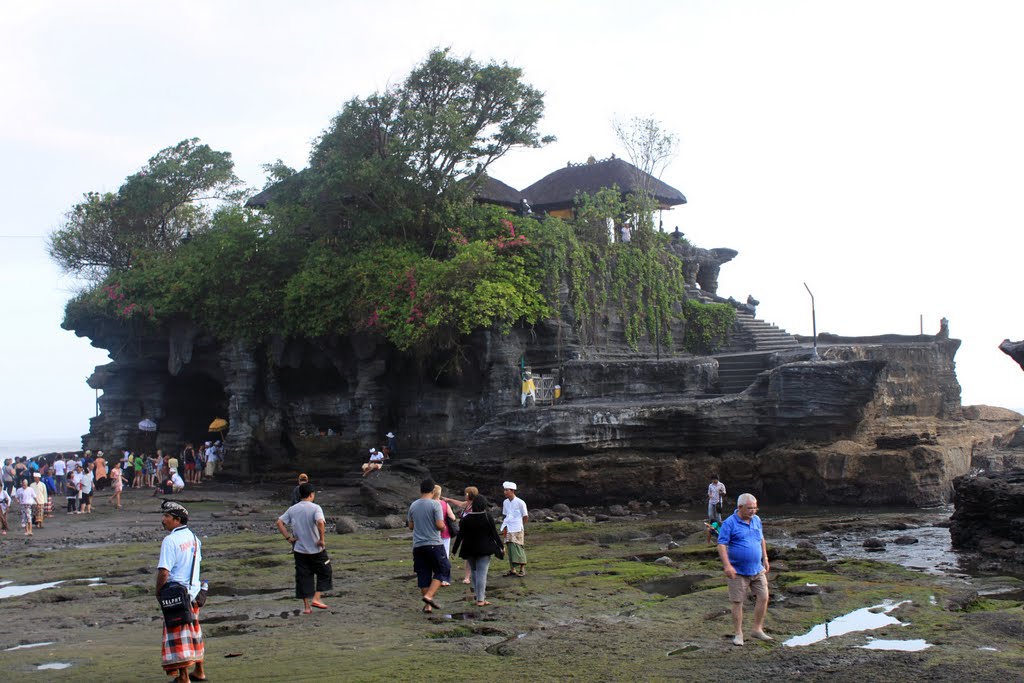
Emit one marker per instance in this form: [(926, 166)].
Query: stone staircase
[(757, 335), (737, 371)]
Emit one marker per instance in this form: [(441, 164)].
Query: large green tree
[(388, 163), (153, 211)]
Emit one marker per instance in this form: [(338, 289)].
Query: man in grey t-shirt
[(313, 573), (429, 560)]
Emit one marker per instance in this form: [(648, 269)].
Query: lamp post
[(814, 327)]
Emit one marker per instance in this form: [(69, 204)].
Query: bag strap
[(195, 552)]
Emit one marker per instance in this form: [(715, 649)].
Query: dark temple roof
[(558, 190)]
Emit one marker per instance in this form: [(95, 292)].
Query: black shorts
[(312, 574), (430, 562)]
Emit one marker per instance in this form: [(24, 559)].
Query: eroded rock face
[(989, 516), (876, 421)]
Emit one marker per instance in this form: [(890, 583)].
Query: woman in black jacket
[(476, 541)]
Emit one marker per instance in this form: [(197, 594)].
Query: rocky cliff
[(876, 420)]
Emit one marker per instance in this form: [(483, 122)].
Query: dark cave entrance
[(191, 403)]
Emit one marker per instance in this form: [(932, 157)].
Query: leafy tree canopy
[(390, 162), (151, 212)]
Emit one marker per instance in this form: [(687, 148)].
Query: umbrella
[(218, 425), (147, 425)]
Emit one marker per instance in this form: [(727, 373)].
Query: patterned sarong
[(183, 645)]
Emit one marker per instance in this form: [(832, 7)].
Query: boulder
[(907, 540), (664, 561), (874, 544), (392, 522), (989, 516), (560, 508), (346, 525)]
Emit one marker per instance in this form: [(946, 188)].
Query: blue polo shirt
[(743, 540)]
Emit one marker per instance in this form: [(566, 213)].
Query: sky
[(871, 149)]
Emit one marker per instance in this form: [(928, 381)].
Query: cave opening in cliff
[(191, 403)]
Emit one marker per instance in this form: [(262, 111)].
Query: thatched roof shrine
[(557, 191)]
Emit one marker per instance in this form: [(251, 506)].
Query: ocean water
[(12, 448)]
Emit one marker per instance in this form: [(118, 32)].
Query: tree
[(394, 158), (153, 211), (650, 149)]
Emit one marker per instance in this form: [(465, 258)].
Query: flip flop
[(482, 604), (307, 611), (318, 605), (430, 602), (510, 573), (427, 609)]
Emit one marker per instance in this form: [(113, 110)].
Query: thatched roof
[(488, 190), (558, 190), (289, 188), (492, 191)]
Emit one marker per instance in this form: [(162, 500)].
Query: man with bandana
[(180, 558)]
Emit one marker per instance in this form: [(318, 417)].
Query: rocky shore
[(624, 593)]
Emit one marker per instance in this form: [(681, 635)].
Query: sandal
[(482, 604), (318, 605), (307, 611), (510, 573), (427, 609)]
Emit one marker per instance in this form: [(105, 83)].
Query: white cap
[(390, 435), (509, 485), (373, 450)]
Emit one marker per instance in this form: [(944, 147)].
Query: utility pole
[(814, 327)]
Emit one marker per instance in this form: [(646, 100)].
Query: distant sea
[(10, 448)]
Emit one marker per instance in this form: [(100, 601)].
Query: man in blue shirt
[(745, 560)]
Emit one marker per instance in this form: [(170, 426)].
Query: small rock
[(392, 522), (804, 543), (577, 518), (617, 511), (672, 545), (560, 508), (663, 504), (601, 518), (635, 559), (662, 538), (1007, 545), (634, 505), (346, 525), (907, 540), (874, 544), (664, 561)]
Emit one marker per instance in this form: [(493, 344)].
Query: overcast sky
[(872, 149)]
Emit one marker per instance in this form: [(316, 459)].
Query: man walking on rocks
[(429, 560), (313, 573), (716, 497), (744, 555), (513, 529)]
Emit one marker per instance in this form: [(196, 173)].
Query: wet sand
[(595, 606)]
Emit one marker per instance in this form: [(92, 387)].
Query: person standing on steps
[(313, 574), (744, 556), (513, 528)]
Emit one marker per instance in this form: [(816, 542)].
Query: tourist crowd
[(35, 483)]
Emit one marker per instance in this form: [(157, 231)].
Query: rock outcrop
[(989, 517), (876, 420)]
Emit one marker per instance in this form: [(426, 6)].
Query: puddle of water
[(10, 591), (864, 619), (17, 591), (673, 586), (25, 647), (898, 645), (54, 665), (989, 649)]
